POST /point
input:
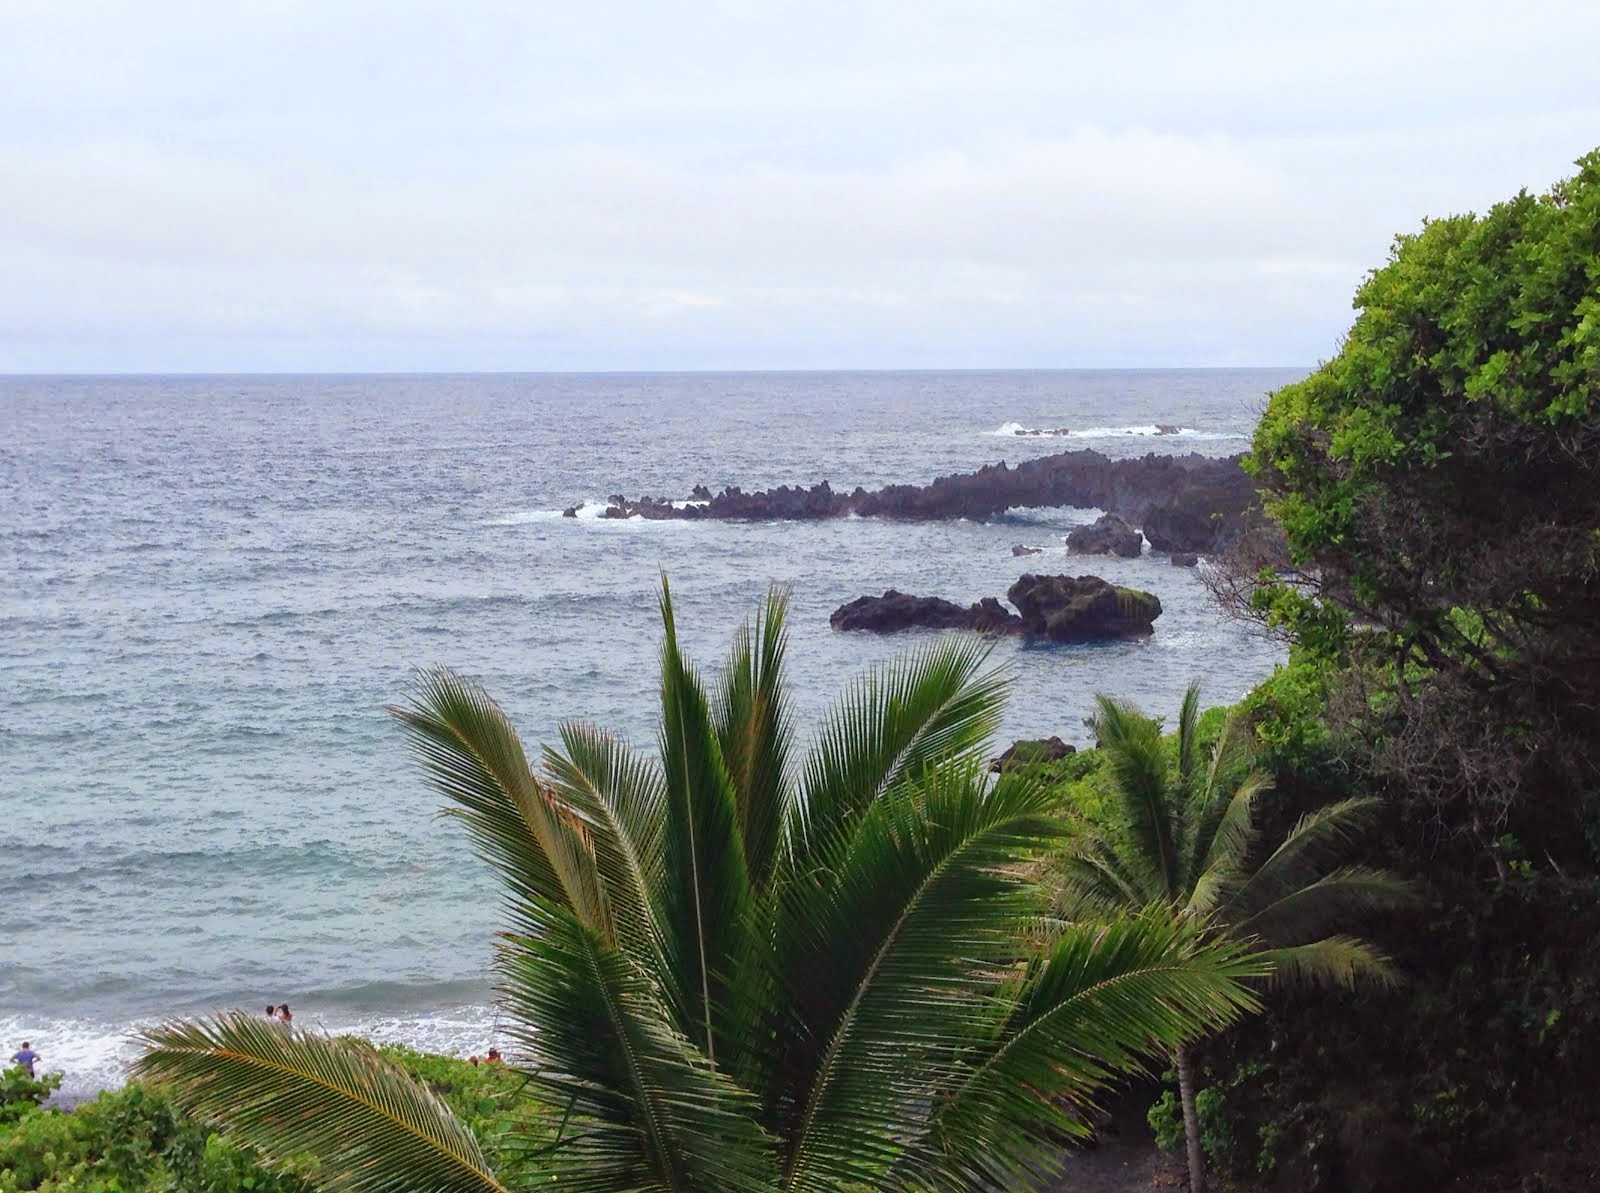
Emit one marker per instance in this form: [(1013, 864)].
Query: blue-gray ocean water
[(210, 588)]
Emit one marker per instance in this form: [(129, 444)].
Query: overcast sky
[(338, 185)]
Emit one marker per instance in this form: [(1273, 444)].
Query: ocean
[(210, 587)]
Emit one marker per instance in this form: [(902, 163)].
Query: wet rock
[(1082, 608), (572, 510), (1109, 535), (1184, 559), (1031, 751), (1167, 428), (896, 610), (1020, 549)]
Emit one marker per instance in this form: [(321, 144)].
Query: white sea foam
[(1016, 430), (92, 1056)]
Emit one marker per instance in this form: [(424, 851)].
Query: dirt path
[(1126, 1160)]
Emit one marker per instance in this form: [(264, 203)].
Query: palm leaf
[(621, 798), (892, 953), (753, 728), (1107, 996), (1228, 836), (1317, 838), (1335, 961), (706, 908), (929, 705), (1310, 910), (535, 843), (1138, 764), (1188, 721), (370, 1125), (647, 1110)]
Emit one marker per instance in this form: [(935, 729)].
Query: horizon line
[(31, 374)]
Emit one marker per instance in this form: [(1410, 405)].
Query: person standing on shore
[(25, 1058)]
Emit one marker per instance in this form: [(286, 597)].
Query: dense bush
[(1438, 482), (134, 1140)]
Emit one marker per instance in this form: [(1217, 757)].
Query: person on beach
[(493, 1057), (272, 1012), (24, 1059), (283, 1014)]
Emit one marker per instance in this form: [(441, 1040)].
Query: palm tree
[(1186, 839), (728, 968)]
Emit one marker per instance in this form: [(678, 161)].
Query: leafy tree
[(1438, 482), (730, 969), (1184, 837)]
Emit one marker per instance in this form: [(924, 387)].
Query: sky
[(277, 186)]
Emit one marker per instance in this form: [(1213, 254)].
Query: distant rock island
[(1189, 503), (1054, 608)]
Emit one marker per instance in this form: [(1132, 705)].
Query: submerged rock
[(1082, 608), (1020, 549), (1109, 535)]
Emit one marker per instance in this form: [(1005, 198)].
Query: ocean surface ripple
[(210, 587)]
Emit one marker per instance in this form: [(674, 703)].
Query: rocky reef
[(1182, 503), (1053, 608)]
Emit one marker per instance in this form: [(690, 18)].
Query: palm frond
[(1137, 760), (1342, 962), (706, 905), (1107, 996), (930, 705), (371, 1126), (1188, 722), (1309, 911), (893, 948), (1305, 853), (621, 798), (1228, 833), (752, 717), (647, 1109), (474, 757), (1098, 880)]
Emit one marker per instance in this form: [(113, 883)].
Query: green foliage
[(1438, 484), (1165, 1117), (132, 1140), (723, 972), (21, 1094)]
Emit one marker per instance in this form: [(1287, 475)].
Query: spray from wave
[(1016, 430)]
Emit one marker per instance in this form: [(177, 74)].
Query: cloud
[(543, 187)]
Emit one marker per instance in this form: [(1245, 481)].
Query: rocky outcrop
[(1082, 609), (896, 610), (1056, 608), (1184, 559), (1031, 752), (1109, 535), (1020, 550), (1193, 502)]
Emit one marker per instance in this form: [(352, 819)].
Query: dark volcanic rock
[(1082, 608), (1184, 559), (1197, 503), (1033, 750), (1110, 535), (901, 611), (1167, 428), (1019, 549), (572, 510)]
